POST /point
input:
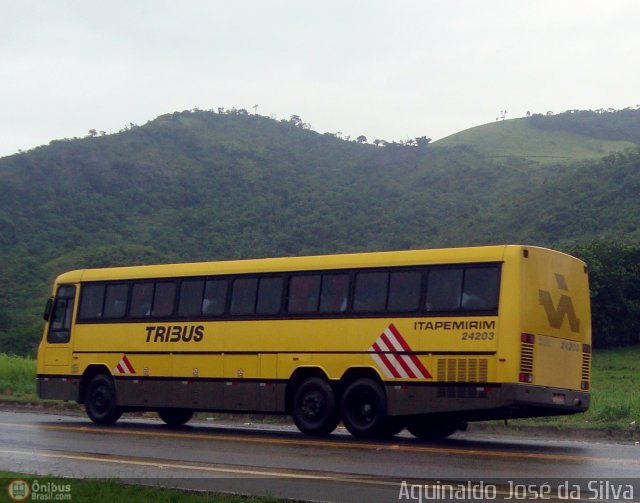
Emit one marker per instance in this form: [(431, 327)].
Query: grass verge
[(90, 491), (17, 377)]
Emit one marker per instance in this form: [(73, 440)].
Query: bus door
[(58, 347)]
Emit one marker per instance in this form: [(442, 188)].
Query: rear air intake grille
[(526, 358), (586, 366), (463, 370)]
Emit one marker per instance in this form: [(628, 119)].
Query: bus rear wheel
[(364, 410), (175, 417), (100, 402), (314, 407)]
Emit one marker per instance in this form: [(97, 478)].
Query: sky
[(391, 70)]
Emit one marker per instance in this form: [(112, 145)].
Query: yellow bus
[(424, 339)]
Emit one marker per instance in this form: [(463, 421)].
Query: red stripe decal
[(413, 357), (386, 361), (397, 357), (127, 363)]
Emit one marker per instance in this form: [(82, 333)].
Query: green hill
[(203, 186), (523, 138)]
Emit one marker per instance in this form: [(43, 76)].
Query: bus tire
[(314, 407), (393, 425), (431, 429), (364, 410), (100, 402), (175, 417)]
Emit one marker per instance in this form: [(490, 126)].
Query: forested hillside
[(201, 185), (614, 125)]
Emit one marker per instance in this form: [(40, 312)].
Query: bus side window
[(243, 297), (91, 301), (404, 291), (371, 291), (191, 298), (480, 289), (141, 298), (444, 289), (269, 296), (115, 302), (60, 322), (335, 292), (163, 299), (303, 294), (215, 297)]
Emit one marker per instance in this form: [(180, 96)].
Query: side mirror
[(47, 309)]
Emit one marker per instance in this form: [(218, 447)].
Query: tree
[(4, 319), (614, 281), (361, 139), (298, 122)]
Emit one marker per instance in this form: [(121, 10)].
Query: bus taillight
[(525, 378), (527, 338)]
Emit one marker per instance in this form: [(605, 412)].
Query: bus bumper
[(560, 401), (484, 401), (58, 388)]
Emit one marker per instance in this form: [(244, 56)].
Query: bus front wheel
[(100, 402), (364, 410), (175, 417), (314, 407)]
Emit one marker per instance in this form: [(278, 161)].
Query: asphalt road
[(277, 460)]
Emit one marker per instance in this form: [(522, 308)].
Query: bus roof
[(283, 264)]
